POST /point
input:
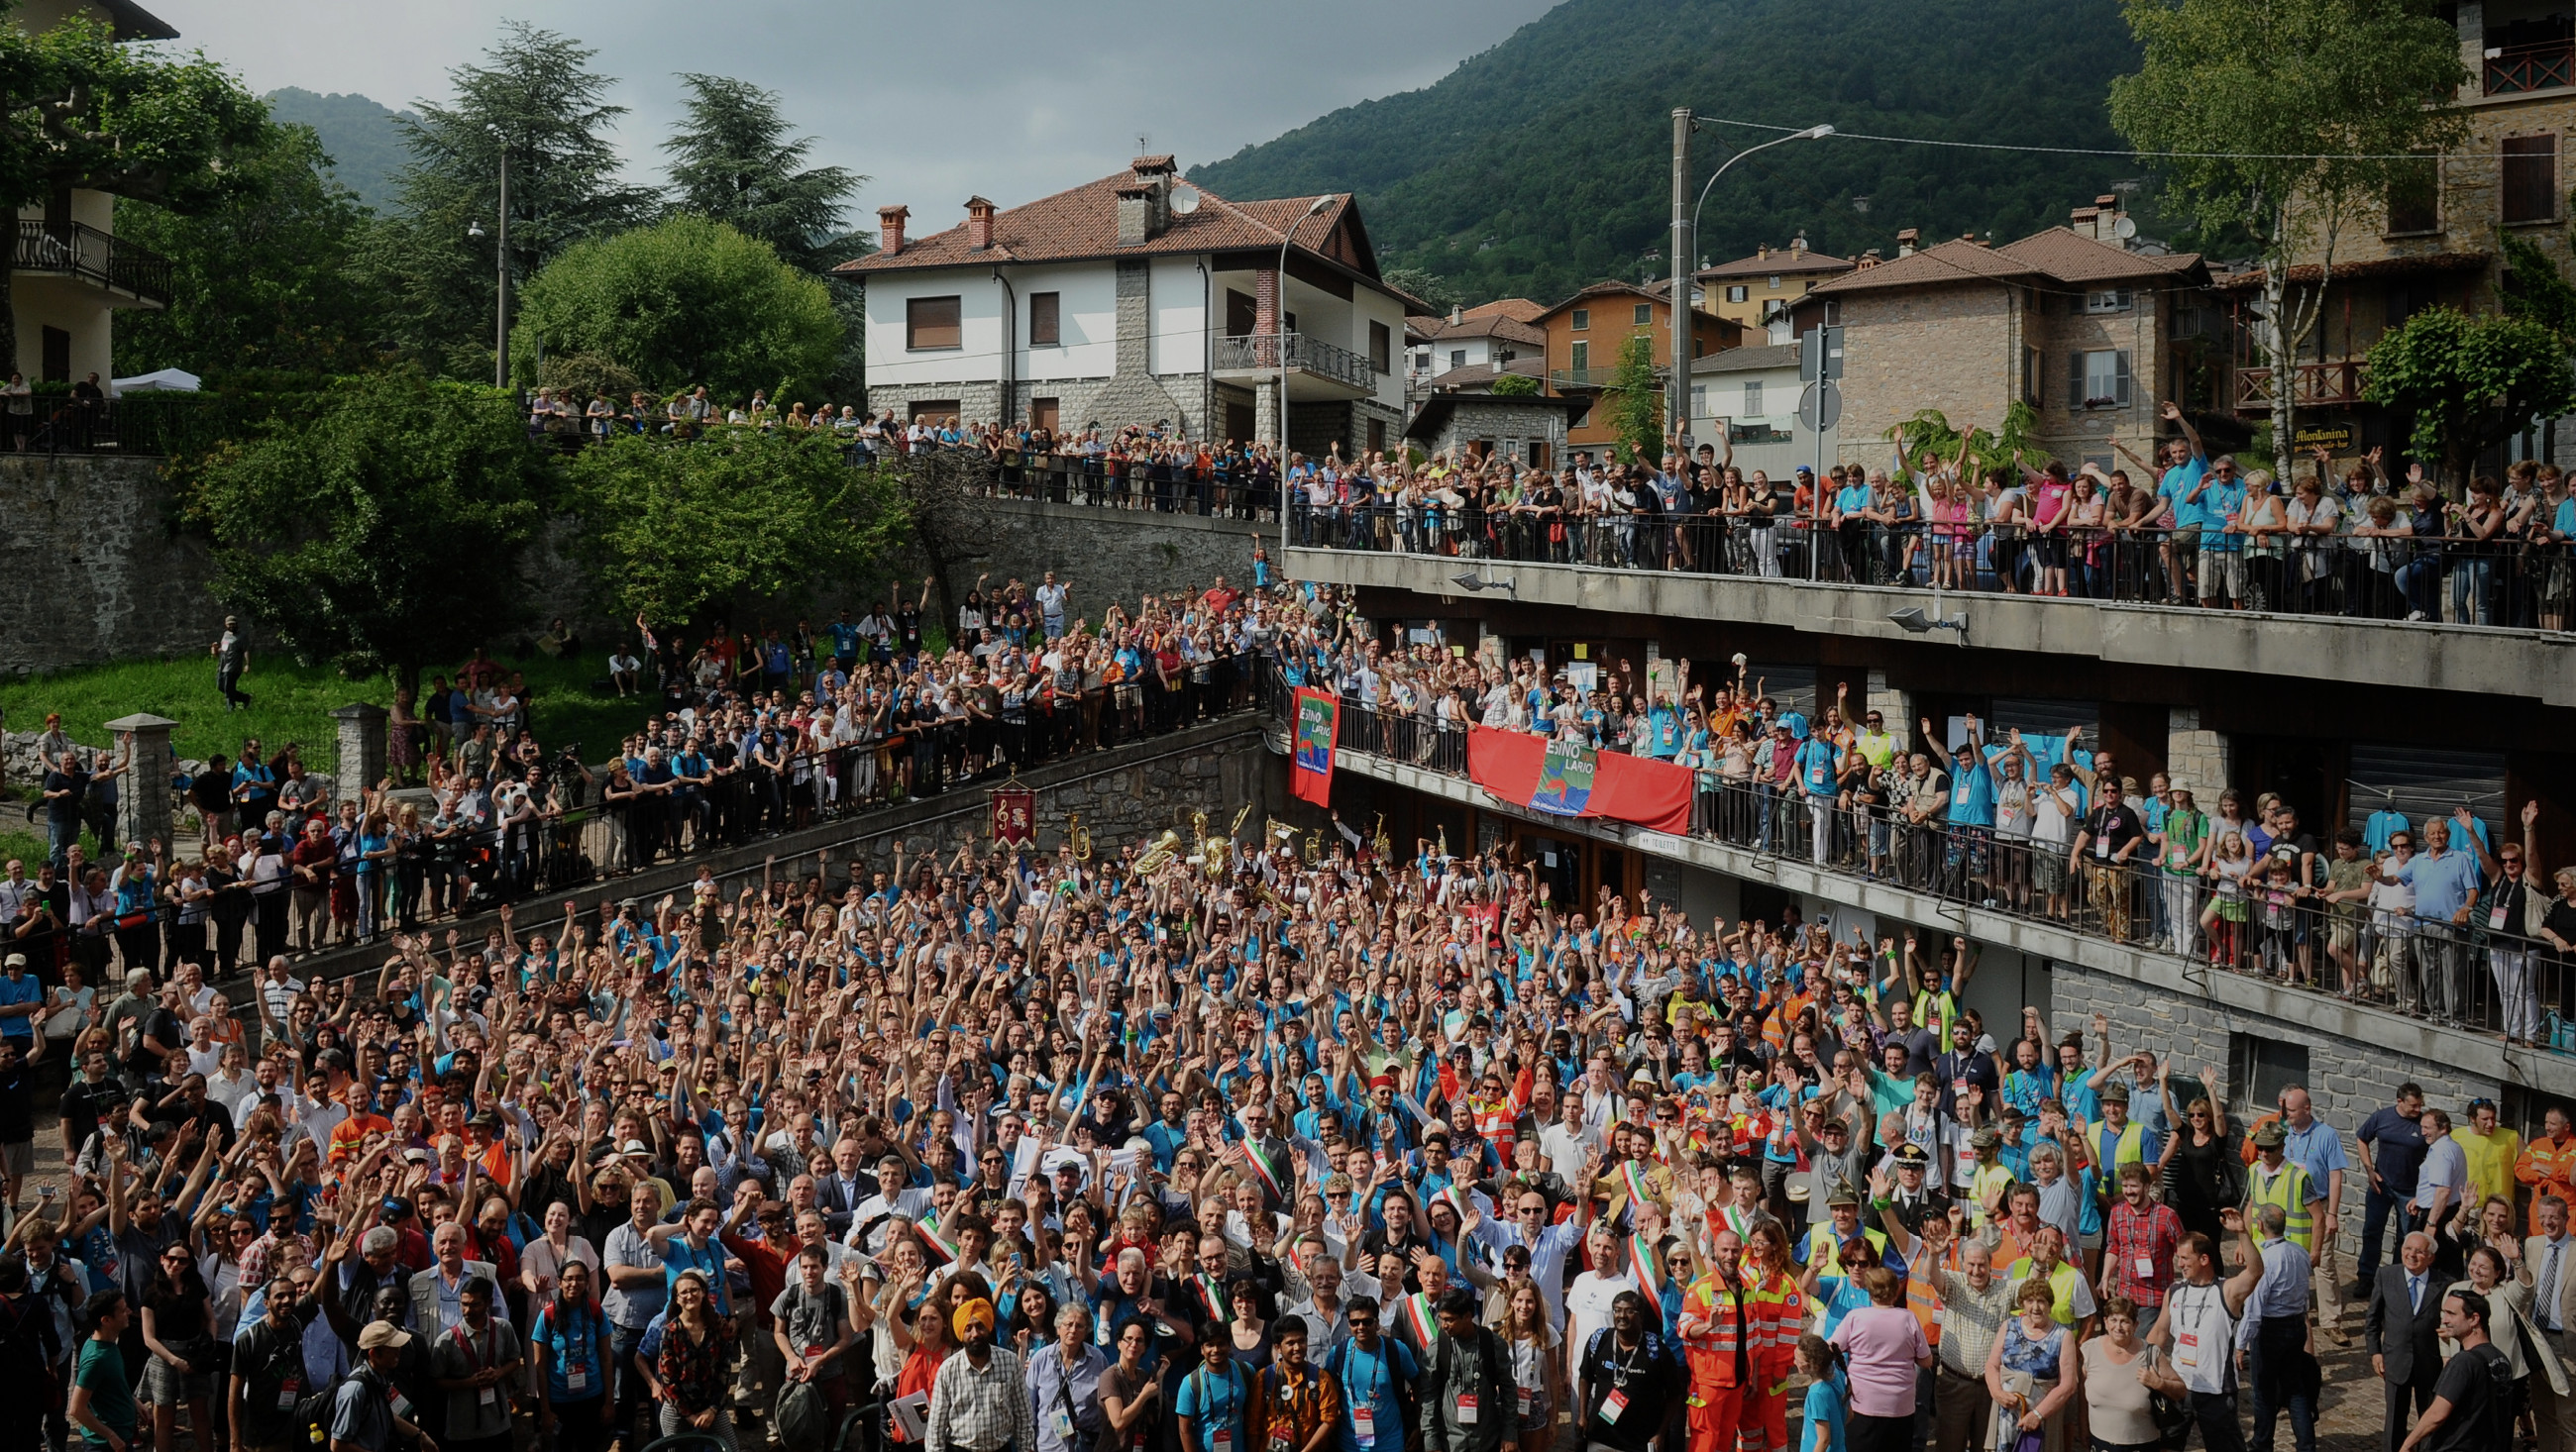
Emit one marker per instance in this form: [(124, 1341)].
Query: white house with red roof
[(1141, 299)]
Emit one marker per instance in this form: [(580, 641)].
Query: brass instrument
[(1384, 845), (1078, 837), (1314, 846), (1159, 856)]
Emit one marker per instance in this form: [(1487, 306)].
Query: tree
[(266, 280), (2470, 382), (686, 301), (2532, 287), (1635, 400), (387, 531), (2290, 119), (1514, 385), (1429, 286), (537, 100), (706, 529), (1929, 438), (80, 111), (732, 161)]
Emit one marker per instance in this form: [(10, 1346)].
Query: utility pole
[(501, 309), (1685, 267)]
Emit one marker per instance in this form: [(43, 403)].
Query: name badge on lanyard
[(1364, 1425), (1467, 1409)]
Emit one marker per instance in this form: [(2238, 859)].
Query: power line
[(2091, 151)]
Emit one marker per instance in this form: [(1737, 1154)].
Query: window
[(1645, 315), (1833, 312), (2527, 182), (1775, 282), (2415, 197), (1046, 313), (2259, 1067), (1739, 293), (1457, 357), (2030, 375), (1422, 359), (1699, 400), (1582, 319), (1753, 399), (931, 322), (2098, 379), (2107, 300), (1582, 357), (1381, 348), (1377, 435), (2406, 299), (1243, 315), (935, 409)]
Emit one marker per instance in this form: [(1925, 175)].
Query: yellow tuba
[(1160, 855)]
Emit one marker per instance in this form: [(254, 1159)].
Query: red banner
[(1634, 789), (1313, 732), (1015, 814)]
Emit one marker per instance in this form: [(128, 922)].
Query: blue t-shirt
[(1216, 1403), (2219, 503), (567, 1346), (1826, 1402), (1371, 1379), (2177, 484), (1972, 796), (22, 989), (1815, 760), (2443, 885)]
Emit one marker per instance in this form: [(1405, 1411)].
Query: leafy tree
[(685, 532), (2470, 382), (1635, 400), (2534, 288), (686, 301), (387, 531), (1427, 285), (732, 160), (79, 110), (1930, 437), (536, 99), (2284, 116), (268, 279), (1514, 385)]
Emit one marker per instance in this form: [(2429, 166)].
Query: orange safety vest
[(1711, 1354), (1923, 1293), (2548, 1169)]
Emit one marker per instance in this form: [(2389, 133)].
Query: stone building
[(1140, 299), (1527, 428), (2074, 321)]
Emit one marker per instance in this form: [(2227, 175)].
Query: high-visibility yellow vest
[(1825, 1250), (2061, 1285), (2286, 1187)]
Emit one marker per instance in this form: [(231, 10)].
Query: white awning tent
[(166, 380)]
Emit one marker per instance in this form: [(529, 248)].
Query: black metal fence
[(2526, 584)]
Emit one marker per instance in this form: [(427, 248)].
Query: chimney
[(979, 224), (1764, 252), (1906, 239), (2106, 219), (1869, 257), (1798, 245), (1135, 215), (1156, 174), (2080, 222), (1457, 314), (890, 229)]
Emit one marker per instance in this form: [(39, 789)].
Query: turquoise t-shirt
[(1826, 1402), (102, 1370)]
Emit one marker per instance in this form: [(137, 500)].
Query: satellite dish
[(2125, 228), (1185, 199)]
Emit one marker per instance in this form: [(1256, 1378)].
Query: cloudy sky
[(934, 102)]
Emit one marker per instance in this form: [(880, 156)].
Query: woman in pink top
[(1883, 1346), (2049, 494)]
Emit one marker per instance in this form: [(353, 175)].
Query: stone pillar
[(1265, 418), (2195, 760), (1894, 706), (362, 749), (143, 794), (2472, 23)]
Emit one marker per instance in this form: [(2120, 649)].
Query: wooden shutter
[(2527, 180), (932, 322)]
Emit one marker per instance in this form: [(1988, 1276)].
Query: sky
[(1010, 99)]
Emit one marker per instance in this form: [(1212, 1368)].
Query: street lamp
[(501, 251), (1279, 327), (1685, 250)]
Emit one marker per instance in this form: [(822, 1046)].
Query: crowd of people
[(1279, 1147), (2188, 529)]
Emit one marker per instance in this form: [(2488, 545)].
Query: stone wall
[(93, 567), (1106, 555), (2195, 759), (1909, 349)]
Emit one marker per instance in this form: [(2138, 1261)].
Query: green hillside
[(363, 139), (1545, 162)]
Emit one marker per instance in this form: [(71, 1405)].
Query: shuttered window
[(1046, 319), (2528, 179), (931, 322)]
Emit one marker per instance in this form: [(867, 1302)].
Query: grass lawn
[(290, 702)]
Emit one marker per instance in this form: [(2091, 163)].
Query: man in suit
[(2402, 1332), (2549, 1268), (839, 1193)]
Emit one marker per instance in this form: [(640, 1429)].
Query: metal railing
[(72, 249), (1226, 489), (2501, 583), (2459, 975), (2531, 68), (1248, 352)]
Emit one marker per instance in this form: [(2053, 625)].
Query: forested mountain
[(361, 137), (1545, 162)]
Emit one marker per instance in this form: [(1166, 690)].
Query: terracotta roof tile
[(1781, 262), (2057, 254), (1519, 309)]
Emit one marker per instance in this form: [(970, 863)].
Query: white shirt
[(1587, 1303)]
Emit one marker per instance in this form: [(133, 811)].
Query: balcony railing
[(70, 249), (2541, 67), (2311, 384), (1594, 377), (1250, 352), (2501, 583)]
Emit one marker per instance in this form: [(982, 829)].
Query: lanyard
[(473, 1353)]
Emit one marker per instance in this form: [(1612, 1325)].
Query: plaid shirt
[(2135, 1237), (1286, 1412), (974, 1410)]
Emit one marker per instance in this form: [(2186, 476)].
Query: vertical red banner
[(1310, 752)]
